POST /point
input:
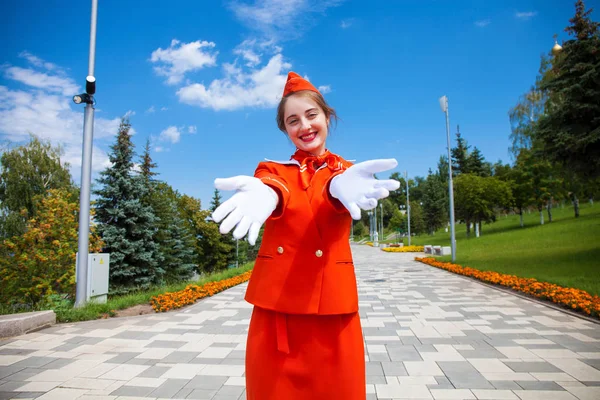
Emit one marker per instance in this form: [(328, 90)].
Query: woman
[(305, 340)]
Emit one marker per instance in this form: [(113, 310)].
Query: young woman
[(305, 339)]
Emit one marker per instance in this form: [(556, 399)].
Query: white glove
[(357, 188), (248, 208)]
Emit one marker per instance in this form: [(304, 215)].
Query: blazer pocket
[(345, 262), (264, 256)]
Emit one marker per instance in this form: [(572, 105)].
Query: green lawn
[(565, 252)]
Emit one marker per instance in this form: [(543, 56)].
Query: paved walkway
[(429, 334)]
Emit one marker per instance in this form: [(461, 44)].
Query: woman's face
[(306, 124)]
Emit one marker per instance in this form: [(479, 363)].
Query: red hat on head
[(296, 83)]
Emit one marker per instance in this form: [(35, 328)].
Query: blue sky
[(201, 79)]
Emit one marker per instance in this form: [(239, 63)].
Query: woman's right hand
[(247, 209)]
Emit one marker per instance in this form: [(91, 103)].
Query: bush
[(41, 262)]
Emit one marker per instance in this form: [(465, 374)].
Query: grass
[(90, 311), (565, 252)]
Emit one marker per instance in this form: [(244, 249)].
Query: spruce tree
[(477, 164), (570, 128), (460, 155), (227, 239), (178, 249), (125, 223), (174, 238), (216, 200)]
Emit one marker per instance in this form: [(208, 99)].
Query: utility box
[(97, 277), (98, 265)]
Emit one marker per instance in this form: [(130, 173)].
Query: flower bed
[(405, 249), (189, 295), (573, 299)]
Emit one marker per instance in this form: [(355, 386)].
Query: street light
[(381, 211), (86, 167), (370, 214), (444, 107), (407, 205)]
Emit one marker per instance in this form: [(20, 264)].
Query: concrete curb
[(18, 324)]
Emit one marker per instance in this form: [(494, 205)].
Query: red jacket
[(304, 264)]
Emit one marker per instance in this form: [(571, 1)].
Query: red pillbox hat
[(296, 83)]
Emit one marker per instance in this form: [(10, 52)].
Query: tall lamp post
[(381, 211), (86, 166), (370, 213), (407, 205), (444, 107)]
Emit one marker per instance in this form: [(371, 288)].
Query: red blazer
[(304, 264)]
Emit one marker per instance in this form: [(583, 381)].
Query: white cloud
[(129, 113), (41, 80), (483, 23), (180, 58), (347, 23), (192, 129), (38, 62), (171, 134), (151, 110), (525, 15), (253, 50), (260, 87), (324, 89), (159, 149), (163, 109), (44, 108), (280, 19)]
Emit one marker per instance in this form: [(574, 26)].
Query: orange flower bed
[(189, 295), (573, 299), (405, 249)]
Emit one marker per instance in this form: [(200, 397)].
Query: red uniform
[(305, 340)]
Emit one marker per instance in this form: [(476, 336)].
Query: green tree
[(397, 222), (41, 262), (147, 165), (477, 198), (398, 197), (213, 253), (227, 239), (460, 155), (477, 165), (126, 223), (417, 220), (569, 131), (442, 169), (435, 203), (175, 240), (521, 185), (27, 171), (216, 200)]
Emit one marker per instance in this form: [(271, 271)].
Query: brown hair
[(316, 97)]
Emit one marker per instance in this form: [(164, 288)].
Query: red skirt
[(302, 357)]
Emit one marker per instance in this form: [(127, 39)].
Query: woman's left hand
[(357, 188)]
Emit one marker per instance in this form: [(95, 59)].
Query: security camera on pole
[(86, 167), (444, 107)]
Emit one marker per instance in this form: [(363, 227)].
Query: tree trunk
[(591, 201), (541, 217), (468, 222), (476, 229), (576, 205), (550, 210), (521, 215)]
